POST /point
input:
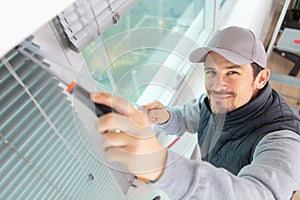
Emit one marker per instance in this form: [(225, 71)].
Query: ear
[(262, 78)]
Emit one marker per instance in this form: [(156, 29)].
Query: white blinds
[(84, 20), (36, 161)]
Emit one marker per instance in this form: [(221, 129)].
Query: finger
[(123, 154), (119, 104), (129, 143), (113, 121), (152, 116), (158, 116), (136, 163), (153, 105), (112, 139), (133, 127), (152, 113), (114, 154)]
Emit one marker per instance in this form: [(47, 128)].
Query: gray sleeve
[(273, 174), (182, 119)]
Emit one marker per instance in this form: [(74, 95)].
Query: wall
[(15, 15), (255, 15)]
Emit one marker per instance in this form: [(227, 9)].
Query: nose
[(219, 83)]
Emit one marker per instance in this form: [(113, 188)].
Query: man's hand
[(135, 145), (158, 113)]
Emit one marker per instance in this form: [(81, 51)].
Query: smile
[(221, 96)]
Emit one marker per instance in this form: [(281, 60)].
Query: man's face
[(228, 86)]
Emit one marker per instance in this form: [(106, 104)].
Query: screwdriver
[(84, 96)]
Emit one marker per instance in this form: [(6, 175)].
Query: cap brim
[(199, 55)]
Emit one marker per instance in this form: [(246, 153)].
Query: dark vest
[(228, 140)]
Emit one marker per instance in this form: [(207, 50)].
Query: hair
[(256, 69)]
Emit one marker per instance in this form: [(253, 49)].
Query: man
[(249, 138)]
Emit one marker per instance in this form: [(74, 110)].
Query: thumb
[(154, 105), (158, 116)]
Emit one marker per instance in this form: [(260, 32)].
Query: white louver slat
[(83, 19), (35, 162)]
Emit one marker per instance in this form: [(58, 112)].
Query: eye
[(232, 72), (210, 72)]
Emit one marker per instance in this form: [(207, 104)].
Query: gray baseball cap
[(236, 44)]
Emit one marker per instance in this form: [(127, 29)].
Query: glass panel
[(135, 49), (222, 3)]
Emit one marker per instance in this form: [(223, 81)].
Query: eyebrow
[(233, 67), (208, 68), (228, 67)]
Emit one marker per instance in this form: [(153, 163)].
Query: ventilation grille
[(85, 20), (35, 162)]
